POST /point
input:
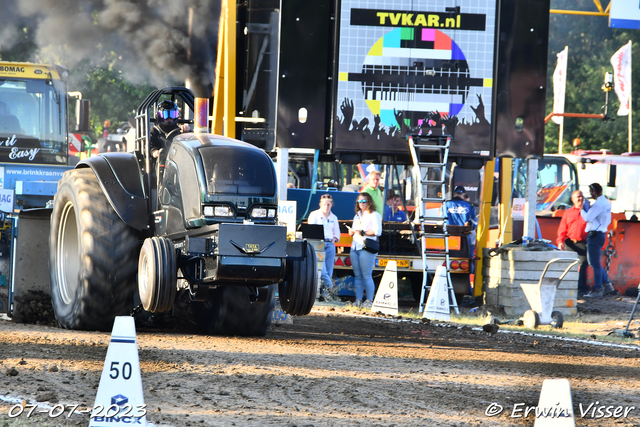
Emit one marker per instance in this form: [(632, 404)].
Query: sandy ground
[(335, 367)]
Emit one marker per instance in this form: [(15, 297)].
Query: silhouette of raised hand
[(399, 115), (479, 110), (450, 123), (376, 124), (363, 126), (347, 112)]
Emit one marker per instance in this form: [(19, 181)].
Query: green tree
[(112, 97), (591, 44)]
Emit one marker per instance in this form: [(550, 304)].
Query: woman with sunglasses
[(329, 222), (367, 224)]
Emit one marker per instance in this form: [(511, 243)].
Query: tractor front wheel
[(297, 292), (157, 274)]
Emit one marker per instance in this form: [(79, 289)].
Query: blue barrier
[(344, 202)]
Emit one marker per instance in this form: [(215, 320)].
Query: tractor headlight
[(271, 213), (218, 211), (259, 213), (223, 211)]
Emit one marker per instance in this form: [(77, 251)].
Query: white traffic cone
[(386, 300), (119, 398)]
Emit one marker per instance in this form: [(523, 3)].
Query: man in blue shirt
[(461, 212), (392, 211)]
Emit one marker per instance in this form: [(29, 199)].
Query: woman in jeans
[(366, 224)]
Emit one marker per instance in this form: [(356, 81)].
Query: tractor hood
[(230, 167)]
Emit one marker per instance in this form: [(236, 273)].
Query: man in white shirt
[(598, 219), (329, 221)]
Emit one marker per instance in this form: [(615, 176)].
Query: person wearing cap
[(373, 188), (461, 212), (598, 218), (329, 222)]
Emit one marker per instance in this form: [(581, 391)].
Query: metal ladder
[(430, 155)]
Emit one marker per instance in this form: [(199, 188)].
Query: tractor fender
[(120, 178)]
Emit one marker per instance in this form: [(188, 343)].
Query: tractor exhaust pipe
[(201, 119), (200, 106)]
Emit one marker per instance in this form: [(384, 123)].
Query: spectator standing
[(598, 219), (461, 212), (373, 189), (391, 210), (329, 222), (367, 224), (572, 235)]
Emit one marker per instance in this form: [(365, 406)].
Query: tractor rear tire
[(157, 274), (228, 310), (297, 292), (93, 256)]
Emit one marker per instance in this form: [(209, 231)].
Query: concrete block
[(504, 273), (528, 275), (521, 255), (528, 265)]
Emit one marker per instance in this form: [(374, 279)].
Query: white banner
[(6, 201), (559, 85), (287, 214), (621, 61)]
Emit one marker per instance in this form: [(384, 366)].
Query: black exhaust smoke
[(149, 41)]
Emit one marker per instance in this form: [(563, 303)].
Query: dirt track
[(331, 368)]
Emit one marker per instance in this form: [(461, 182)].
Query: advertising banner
[(621, 62), (560, 85), (415, 67)]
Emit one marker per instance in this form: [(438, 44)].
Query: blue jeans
[(595, 241), (581, 249), (362, 263), (327, 268)]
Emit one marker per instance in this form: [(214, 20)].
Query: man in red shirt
[(572, 236)]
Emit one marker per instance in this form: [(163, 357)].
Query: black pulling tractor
[(198, 223)]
